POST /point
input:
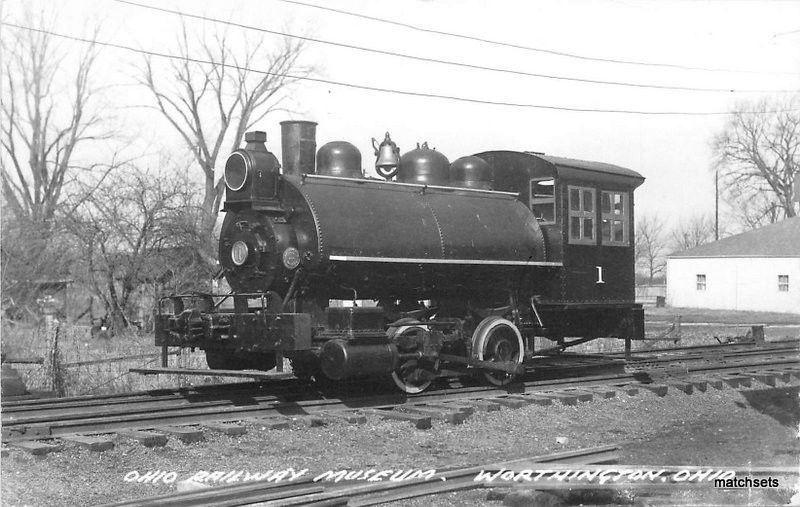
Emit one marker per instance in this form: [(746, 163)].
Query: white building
[(755, 270)]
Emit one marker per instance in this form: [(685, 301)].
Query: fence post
[(53, 363)]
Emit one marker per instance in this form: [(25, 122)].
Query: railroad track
[(279, 404)]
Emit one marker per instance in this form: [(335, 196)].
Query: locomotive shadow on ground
[(782, 404), (366, 393), (237, 394)]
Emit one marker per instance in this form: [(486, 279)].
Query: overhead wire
[(553, 52), (345, 84), (449, 62)]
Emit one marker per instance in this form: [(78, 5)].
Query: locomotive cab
[(586, 212)]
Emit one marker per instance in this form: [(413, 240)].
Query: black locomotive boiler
[(464, 263)]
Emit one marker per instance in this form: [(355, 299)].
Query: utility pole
[(716, 205)]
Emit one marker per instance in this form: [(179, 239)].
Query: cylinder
[(471, 172), (299, 146), (340, 159), (341, 359)]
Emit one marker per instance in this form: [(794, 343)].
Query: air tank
[(339, 158), (471, 172), (425, 166)]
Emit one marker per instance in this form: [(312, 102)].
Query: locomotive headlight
[(239, 253), (236, 171), (291, 258)]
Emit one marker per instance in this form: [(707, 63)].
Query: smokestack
[(299, 146)]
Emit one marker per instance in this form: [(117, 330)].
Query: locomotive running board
[(259, 375), (406, 260)]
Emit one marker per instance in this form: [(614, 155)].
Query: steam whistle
[(388, 157)]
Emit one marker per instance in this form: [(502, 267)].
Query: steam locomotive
[(464, 263)]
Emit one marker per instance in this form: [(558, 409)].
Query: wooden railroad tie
[(231, 429), (146, 438), (685, 387), (582, 394), (37, 448), (476, 405), (736, 381), (561, 396), (420, 421), (783, 376), (347, 416), (764, 378), (467, 409), (794, 372), (186, 434), (532, 399), (603, 392), (716, 382), (272, 422), (509, 402), (96, 444), (659, 389), (442, 414), (630, 390)]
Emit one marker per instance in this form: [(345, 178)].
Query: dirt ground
[(756, 426)]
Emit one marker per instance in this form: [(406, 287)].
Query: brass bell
[(388, 157)]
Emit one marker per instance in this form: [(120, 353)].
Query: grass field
[(690, 315), (75, 344)]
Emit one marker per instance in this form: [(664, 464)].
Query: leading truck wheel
[(412, 376), (498, 340)]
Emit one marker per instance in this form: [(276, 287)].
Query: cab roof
[(515, 165)]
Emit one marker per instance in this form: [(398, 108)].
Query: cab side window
[(582, 226), (543, 200), (615, 212)]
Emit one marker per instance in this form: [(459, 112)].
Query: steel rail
[(246, 395), (143, 416)]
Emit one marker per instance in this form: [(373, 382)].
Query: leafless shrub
[(138, 233)]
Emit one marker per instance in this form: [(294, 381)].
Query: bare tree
[(207, 104), (692, 232), (49, 109), (50, 116), (133, 232), (651, 246), (758, 159)]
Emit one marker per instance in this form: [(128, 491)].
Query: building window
[(581, 215), (783, 283), (701, 282), (615, 212), (543, 200)]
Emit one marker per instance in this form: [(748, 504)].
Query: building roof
[(781, 239)]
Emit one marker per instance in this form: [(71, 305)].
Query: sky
[(759, 39)]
